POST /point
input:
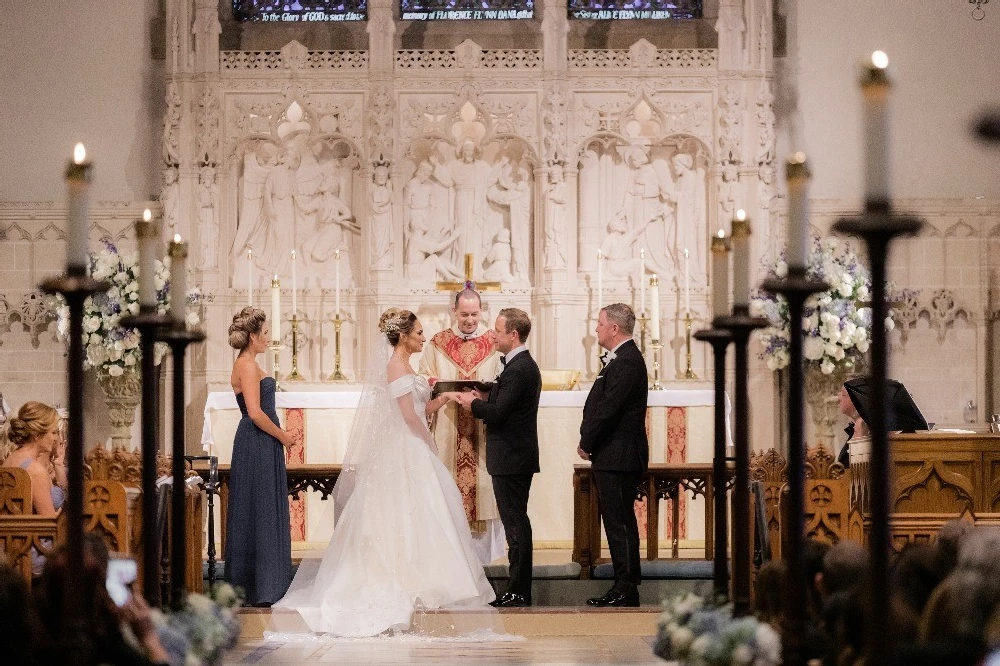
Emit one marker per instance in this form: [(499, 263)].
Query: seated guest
[(34, 433), (36, 437), (103, 620), (22, 631)]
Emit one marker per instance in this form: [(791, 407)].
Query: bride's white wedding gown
[(401, 543)]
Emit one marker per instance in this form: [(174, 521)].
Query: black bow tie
[(503, 361), (604, 358)]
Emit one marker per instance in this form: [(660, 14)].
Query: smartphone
[(122, 572)]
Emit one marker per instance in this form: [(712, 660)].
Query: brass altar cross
[(459, 286)]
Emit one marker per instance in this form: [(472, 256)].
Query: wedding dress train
[(401, 540)]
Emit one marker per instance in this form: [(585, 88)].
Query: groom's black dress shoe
[(615, 599), (511, 600)]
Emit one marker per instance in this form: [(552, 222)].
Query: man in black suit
[(511, 416), (613, 439)]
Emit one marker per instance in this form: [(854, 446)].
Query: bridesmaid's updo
[(395, 322), (246, 322), (33, 420)]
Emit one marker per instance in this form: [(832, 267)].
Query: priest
[(467, 350)]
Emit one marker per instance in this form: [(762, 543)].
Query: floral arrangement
[(836, 327), (110, 347), (203, 630), (701, 635)]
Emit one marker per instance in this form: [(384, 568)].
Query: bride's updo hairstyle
[(395, 323), (246, 322)]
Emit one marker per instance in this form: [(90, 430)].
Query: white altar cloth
[(680, 430)]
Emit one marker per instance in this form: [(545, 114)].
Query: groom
[(511, 416)]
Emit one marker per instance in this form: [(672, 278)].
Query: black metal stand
[(878, 227), (75, 287), (740, 325), (149, 324), (211, 489), (178, 339), (719, 339), (796, 288)]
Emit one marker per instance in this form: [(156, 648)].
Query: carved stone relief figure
[(618, 246), (208, 228), (689, 198), (555, 218), (424, 258), (168, 197), (516, 196), (498, 259), (468, 176), (647, 192), (380, 218)]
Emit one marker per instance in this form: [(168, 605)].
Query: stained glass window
[(635, 9), (270, 11)]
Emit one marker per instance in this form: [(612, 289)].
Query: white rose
[(159, 282), (193, 319), (130, 359), (772, 364), (847, 333), (839, 354), (91, 324), (830, 349), (742, 655), (863, 345), (116, 371), (681, 639), (115, 354), (812, 348), (845, 289), (889, 324), (133, 307), (95, 339), (827, 367), (781, 269), (864, 294), (810, 323), (132, 287), (860, 334)]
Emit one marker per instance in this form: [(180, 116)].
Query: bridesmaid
[(258, 541)]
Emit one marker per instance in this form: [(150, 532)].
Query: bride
[(401, 541)]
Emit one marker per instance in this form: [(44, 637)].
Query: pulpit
[(934, 477)]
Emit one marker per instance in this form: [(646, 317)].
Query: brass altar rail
[(663, 481), (321, 478)]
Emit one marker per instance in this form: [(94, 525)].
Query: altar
[(679, 423)]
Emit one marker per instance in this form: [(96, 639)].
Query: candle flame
[(722, 233), (178, 239), (599, 255), (293, 255), (336, 255), (798, 158), (741, 215), (642, 253), (249, 253), (880, 59), (685, 253), (147, 215), (79, 154)]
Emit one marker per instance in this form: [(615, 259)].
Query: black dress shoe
[(617, 600), (511, 600)]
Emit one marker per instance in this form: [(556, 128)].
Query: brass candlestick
[(643, 320), (276, 348), (338, 375), (294, 376), (688, 373), (656, 347)]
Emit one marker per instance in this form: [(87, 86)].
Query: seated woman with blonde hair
[(34, 433)]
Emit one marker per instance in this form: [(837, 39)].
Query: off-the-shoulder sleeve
[(402, 386)]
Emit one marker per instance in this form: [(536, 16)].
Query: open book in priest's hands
[(447, 385)]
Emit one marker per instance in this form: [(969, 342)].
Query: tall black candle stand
[(878, 226), (149, 324), (178, 338), (740, 325), (211, 490), (719, 339), (796, 288), (75, 287)]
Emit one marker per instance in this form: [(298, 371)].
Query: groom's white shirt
[(512, 353)]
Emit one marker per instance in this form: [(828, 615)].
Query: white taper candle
[(178, 251), (148, 233), (78, 181), (875, 86), (654, 308), (275, 309)]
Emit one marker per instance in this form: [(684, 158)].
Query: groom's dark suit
[(511, 416), (613, 432)]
